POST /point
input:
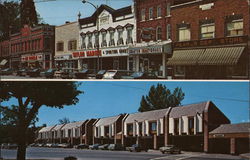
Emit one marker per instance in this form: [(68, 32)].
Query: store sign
[(93, 53), (153, 49), (78, 54), (212, 42), (32, 58), (115, 52)]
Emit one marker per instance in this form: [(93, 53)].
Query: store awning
[(3, 62), (185, 57), (209, 56), (221, 56)]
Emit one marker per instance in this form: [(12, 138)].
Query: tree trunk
[(21, 151)]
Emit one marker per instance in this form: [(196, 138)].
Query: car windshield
[(137, 74), (109, 74), (101, 72)]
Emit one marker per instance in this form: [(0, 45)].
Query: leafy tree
[(30, 97), (160, 97), (64, 120), (28, 13)]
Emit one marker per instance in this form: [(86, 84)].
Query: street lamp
[(97, 28)]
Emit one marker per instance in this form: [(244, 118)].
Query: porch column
[(232, 146), (166, 130), (155, 141)]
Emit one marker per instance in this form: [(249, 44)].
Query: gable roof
[(149, 115), (188, 110), (73, 125), (113, 12), (107, 121), (58, 127), (232, 128), (46, 129)]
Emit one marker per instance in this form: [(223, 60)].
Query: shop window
[(159, 11), (112, 40), (168, 36), (104, 42), (176, 126), (159, 33), (207, 31), (150, 13), (179, 71), (153, 127), (130, 129), (143, 17), (234, 28), (59, 46), (168, 9), (191, 125), (72, 45), (129, 36), (184, 34)]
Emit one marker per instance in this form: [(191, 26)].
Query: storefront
[(66, 62), (151, 58), (222, 58), (38, 60)]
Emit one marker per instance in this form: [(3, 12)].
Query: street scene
[(127, 40)]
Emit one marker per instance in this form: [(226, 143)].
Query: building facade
[(66, 43), (32, 47), (105, 37), (153, 45), (4, 54), (45, 135), (210, 39)]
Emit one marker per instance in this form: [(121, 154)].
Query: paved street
[(57, 153)]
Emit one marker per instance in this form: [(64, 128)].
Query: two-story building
[(210, 39), (33, 47), (108, 130), (105, 37), (66, 44), (57, 133), (153, 45), (45, 134)]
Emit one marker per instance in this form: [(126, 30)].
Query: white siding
[(125, 129), (199, 123), (147, 127), (185, 124), (162, 126), (102, 130), (171, 125)]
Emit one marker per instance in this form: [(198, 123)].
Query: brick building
[(4, 54), (32, 47), (153, 36), (210, 39)]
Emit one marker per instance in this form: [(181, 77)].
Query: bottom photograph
[(137, 120)]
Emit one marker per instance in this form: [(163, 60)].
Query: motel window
[(69, 133), (168, 33), (191, 125), (72, 45), (234, 28), (130, 129), (112, 40), (184, 34), (159, 33), (106, 130), (104, 42), (168, 9), (159, 11), (176, 126), (207, 31), (150, 13), (143, 17), (153, 127), (59, 46)]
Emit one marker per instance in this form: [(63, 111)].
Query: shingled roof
[(188, 110), (46, 129), (149, 115), (58, 127), (73, 125), (232, 128), (113, 12), (107, 121)]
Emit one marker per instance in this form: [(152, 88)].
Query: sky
[(57, 12), (110, 98)]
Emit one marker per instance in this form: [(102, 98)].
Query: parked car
[(22, 72), (6, 71), (48, 145), (116, 74), (100, 74), (34, 72), (48, 73), (81, 146), (54, 145), (64, 145), (141, 75), (136, 148), (94, 146), (170, 149), (104, 147), (82, 74), (115, 147)]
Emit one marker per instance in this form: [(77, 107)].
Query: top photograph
[(125, 39)]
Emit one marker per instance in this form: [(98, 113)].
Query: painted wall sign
[(212, 42), (32, 58), (93, 53), (78, 54), (152, 49), (115, 51)]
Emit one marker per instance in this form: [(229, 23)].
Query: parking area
[(86, 154)]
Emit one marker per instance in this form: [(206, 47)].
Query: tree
[(160, 97), (64, 120), (29, 98), (28, 13)]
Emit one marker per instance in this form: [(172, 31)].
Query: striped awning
[(185, 57), (221, 56), (209, 56), (3, 62)]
